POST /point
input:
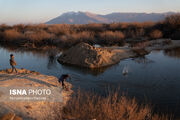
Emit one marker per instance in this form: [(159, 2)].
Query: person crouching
[(62, 79)]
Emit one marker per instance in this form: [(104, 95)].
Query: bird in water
[(125, 71)]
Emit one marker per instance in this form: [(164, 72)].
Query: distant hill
[(87, 17)]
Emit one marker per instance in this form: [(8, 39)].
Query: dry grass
[(72, 39), (173, 20), (156, 34), (35, 27), (95, 27), (38, 36), (111, 38), (64, 35), (87, 106), (60, 29), (13, 35)]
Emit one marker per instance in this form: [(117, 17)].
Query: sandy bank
[(31, 110)]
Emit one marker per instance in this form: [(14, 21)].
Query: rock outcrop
[(85, 55)]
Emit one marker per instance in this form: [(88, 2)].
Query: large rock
[(85, 55), (89, 56)]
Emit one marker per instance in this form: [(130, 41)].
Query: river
[(154, 78)]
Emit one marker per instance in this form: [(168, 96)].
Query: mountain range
[(87, 17)]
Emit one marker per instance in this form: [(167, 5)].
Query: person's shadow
[(21, 76)]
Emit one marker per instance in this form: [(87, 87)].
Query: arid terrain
[(29, 110)]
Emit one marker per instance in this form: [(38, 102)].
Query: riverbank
[(81, 106), (31, 110), (151, 75), (112, 106)]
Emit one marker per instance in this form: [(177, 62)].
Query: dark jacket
[(12, 62), (63, 78)]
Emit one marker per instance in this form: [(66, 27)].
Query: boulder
[(85, 55)]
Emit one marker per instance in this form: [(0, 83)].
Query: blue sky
[(39, 11)]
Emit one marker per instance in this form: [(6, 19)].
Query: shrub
[(40, 37), (60, 29), (1, 36), (103, 34), (35, 27), (135, 34), (4, 27), (72, 39), (176, 35), (155, 34), (13, 35), (95, 27), (88, 106), (115, 26), (173, 21), (111, 38), (19, 27)]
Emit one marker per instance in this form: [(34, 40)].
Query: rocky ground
[(30, 110)]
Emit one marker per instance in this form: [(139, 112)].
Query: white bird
[(125, 70)]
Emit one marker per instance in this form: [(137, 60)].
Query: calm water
[(154, 78)]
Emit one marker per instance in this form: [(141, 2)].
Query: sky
[(40, 11)]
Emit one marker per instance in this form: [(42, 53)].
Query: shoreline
[(85, 55), (31, 109), (118, 53)]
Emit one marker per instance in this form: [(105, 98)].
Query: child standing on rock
[(12, 63)]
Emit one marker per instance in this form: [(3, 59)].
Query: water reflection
[(50, 54), (37, 53), (143, 60), (52, 58), (82, 70), (173, 52)]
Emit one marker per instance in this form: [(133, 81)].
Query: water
[(154, 78)]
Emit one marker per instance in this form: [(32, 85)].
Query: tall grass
[(155, 34), (111, 38), (87, 106), (75, 38), (60, 29), (38, 36), (13, 36), (64, 35)]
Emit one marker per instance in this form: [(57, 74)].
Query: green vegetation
[(64, 35)]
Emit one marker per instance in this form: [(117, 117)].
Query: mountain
[(78, 18), (87, 17)]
